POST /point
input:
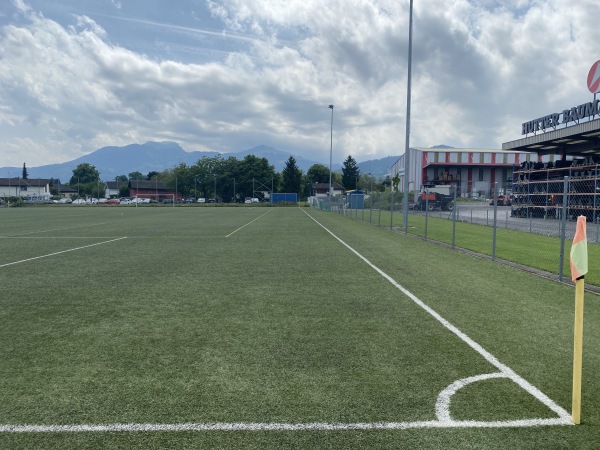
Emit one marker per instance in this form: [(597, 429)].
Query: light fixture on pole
[(329, 194)]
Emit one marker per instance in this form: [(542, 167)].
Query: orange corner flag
[(579, 256)]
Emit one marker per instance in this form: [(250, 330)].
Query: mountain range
[(158, 156)]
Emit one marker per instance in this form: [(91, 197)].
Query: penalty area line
[(233, 232), (55, 229), (63, 251)]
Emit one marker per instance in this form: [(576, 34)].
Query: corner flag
[(579, 267), (579, 256)]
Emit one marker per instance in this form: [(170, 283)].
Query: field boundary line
[(564, 416), (243, 226), (55, 229), (62, 251), (274, 426)]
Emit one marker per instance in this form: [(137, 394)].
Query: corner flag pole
[(579, 267)]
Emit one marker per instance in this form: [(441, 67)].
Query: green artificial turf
[(246, 315)]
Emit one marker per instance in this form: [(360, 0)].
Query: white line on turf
[(442, 406), (58, 253), (55, 229), (505, 370), (273, 426), (233, 232)]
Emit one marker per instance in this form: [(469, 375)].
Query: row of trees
[(231, 179)]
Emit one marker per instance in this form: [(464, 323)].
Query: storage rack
[(538, 190)]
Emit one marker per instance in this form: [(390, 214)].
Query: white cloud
[(479, 70)]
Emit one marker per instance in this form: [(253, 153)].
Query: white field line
[(46, 238), (505, 370), (273, 426), (55, 229), (58, 253), (233, 232), (442, 405)]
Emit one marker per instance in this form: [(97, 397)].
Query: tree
[(136, 176), (256, 175), (395, 182), (84, 173), (121, 179), (25, 174), (54, 186), (292, 176), (152, 175), (318, 173), (350, 173)]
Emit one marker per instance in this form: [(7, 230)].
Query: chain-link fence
[(531, 223)]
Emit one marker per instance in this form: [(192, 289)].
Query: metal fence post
[(392, 211), (454, 212), (426, 210), (563, 221), (379, 220), (495, 221)]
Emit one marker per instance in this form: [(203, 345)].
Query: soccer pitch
[(275, 327)]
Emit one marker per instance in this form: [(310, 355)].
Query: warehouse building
[(473, 171)]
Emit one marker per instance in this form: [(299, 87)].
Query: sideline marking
[(233, 232), (55, 229), (63, 251), (506, 371)]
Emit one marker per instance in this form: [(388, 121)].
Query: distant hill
[(157, 156)]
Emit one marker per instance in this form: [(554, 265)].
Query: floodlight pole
[(407, 136), (330, 156)]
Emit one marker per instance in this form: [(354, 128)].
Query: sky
[(228, 75)]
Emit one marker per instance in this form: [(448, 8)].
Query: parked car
[(503, 200), (65, 200), (201, 200), (113, 201), (168, 200), (79, 201)]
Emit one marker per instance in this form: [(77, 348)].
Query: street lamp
[(330, 153)]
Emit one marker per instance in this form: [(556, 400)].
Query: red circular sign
[(594, 78)]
